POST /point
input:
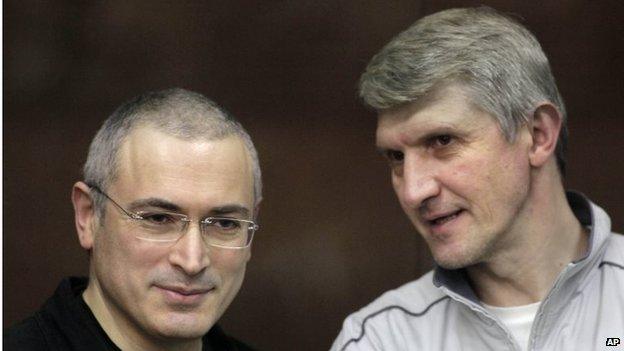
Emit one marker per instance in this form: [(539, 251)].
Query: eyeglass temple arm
[(129, 214)]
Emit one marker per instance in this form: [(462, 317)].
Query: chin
[(184, 327), (449, 264), (183, 333), (454, 260)]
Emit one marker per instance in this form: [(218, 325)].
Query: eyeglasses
[(163, 226)]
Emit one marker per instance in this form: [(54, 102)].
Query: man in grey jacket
[(474, 130)]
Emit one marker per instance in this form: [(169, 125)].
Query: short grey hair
[(177, 112), (498, 61)]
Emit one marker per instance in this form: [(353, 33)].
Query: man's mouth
[(439, 220), (188, 292), (184, 295)]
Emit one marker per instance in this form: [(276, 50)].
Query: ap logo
[(613, 341)]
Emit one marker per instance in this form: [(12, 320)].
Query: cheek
[(230, 262), (108, 246), (500, 181), (486, 173), (230, 266), (467, 176), (466, 170), (123, 256), (513, 171)]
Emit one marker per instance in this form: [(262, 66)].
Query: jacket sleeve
[(356, 336)]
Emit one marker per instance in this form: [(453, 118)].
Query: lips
[(185, 291), (439, 219), (184, 295)]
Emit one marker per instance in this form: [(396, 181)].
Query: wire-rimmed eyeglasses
[(163, 226)]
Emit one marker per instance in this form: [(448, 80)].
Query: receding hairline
[(178, 112), (149, 125)]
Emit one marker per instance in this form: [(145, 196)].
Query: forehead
[(446, 110), (155, 164)]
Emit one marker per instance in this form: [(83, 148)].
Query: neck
[(545, 238), (121, 330)]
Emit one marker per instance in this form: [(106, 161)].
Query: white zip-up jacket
[(584, 310)]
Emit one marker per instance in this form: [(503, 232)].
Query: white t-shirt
[(518, 319)]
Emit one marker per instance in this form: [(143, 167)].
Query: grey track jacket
[(583, 311)]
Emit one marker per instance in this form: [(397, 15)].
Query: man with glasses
[(473, 128), (167, 214)]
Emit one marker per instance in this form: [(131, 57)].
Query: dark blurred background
[(333, 236)]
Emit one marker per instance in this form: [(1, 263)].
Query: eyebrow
[(170, 206), (229, 209), (155, 202)]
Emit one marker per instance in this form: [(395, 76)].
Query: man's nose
[(418, 182), (190, 252)]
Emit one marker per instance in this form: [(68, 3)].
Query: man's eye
[(394, 156), (442, 140), (227, 224), (158, 218)]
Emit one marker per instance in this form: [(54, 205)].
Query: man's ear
[(545, 127), (84, 214)]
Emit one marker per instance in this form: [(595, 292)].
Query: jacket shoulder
[(614, 252), (376, 325), (26, 335), (414, 297)]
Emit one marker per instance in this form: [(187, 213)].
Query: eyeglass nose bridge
[(185, 225), (202, 225)]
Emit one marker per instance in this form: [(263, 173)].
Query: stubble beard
[(467, 256)]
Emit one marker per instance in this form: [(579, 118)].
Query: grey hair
[(177, 112), (498, 61)]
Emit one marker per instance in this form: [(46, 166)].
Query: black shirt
[(65, 322)]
